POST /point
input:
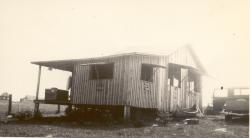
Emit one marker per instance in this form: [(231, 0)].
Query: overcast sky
[(33, 30)]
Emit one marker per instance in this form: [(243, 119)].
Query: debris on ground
[(221, 130), (192, 121), (194, 111), (49, 136), (163, 118), (224, 130), (9, 116), (160, 121), (155, 125)]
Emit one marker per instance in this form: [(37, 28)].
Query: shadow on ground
[(68, 123), (235, 121)]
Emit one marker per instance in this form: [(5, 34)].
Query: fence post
[(10, 104), (58, 109)]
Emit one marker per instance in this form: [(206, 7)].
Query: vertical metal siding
[(126, 87), (185, 98), (100, 92), (138, 96), (183, 57)]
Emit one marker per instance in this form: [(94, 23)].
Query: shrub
[(23, 115), (38, 115)]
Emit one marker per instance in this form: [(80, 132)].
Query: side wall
[(145, 94)]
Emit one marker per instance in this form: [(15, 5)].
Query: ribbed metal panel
[(100, 92), (183, 97), (126, 87), (142, 93), (182, 57)]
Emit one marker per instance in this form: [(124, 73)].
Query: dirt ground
[(208, 127)]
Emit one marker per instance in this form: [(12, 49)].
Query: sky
[(34, 30)]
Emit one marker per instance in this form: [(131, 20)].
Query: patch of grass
[(28, 106)]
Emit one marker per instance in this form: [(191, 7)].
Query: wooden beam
[(52, 102), (36, 108)]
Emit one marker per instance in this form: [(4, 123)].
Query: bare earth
[(209, 127)]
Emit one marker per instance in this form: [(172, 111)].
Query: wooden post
[(36, 108), (70, 108), (18, 106), (200, 91), (58, 109), (126, 114), (10, 104)]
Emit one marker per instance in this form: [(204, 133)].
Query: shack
[(132, 80)]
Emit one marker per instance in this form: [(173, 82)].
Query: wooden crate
[(55, 94)]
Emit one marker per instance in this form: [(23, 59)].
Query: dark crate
[(55, 94)]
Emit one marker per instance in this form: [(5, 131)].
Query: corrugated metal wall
[(142, 93), (126, 87), (183, 97), (182, 57), (100, 92)]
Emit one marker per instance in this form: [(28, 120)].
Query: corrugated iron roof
[(67, 65)]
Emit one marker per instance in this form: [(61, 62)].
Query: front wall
[(126, 88), (100, 92), (183, 97)]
